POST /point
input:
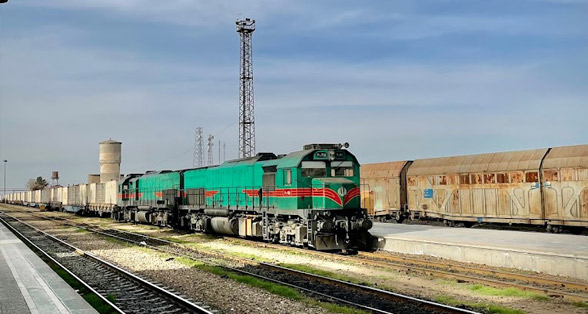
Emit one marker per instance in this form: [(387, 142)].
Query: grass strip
[(581, 304), (482, 307), (508, 292), (491, 291), (275, 288), (324, 273)]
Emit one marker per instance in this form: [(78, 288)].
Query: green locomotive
[(306, 198)]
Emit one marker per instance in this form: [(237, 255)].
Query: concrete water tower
[(110, 158)]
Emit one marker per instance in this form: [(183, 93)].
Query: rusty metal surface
[(567, 157), (565, 185), (504, 161), (381, 182), (382, 169), (495, 187)]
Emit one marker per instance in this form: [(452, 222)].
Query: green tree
[(37, 184)]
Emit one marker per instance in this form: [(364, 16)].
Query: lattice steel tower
[(210, 144), (245, 29), (198, 157)]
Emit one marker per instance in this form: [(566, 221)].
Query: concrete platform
[(28, 285), (555, 254)]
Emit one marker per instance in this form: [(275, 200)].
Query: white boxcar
[(45, 198), (56, 197), (36, 197), (110, 192), (91, 191)]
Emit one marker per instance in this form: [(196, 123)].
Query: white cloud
[(58, 100), (184, 12)]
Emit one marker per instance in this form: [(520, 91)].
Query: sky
[(398, 80)]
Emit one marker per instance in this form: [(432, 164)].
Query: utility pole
[(224, 151), (210, 144), (198, 156), (219, 153), (245, 28), (4, 195)]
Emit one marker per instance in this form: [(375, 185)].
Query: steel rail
[(382, 293), (387, 294), (180, 300), (480, 271), (85, 284), (431, 268), (312, 292)]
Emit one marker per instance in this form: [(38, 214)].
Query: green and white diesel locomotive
[(306, 198)]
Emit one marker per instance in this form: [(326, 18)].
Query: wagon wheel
[(399, 217), (468, 224)]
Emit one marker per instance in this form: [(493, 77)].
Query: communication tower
[(210, 144), (198, 157), (245, 28)]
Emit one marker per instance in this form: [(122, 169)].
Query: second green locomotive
[(306, 198)]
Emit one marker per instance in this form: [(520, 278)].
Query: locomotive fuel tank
[(225, 225)]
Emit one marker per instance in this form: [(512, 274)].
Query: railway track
[(120, 289), (567, 290), (552, 287), (322, 288)]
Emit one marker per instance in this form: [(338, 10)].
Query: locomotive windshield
[(341, 169), (314, 169)]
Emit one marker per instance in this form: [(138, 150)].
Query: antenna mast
[(210, 144), (245, 28)]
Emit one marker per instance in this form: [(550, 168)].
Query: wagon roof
[(567, 157), (492, 162), (382, 169)]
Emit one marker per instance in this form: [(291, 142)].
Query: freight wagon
[(538, 187)]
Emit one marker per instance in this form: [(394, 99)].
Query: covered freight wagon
[(384, 192), (565, 186), (495, 187)]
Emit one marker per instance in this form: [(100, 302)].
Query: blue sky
[(396, 79)]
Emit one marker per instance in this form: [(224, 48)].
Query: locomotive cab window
[(314, 169), (341, 169), (287, 176)]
